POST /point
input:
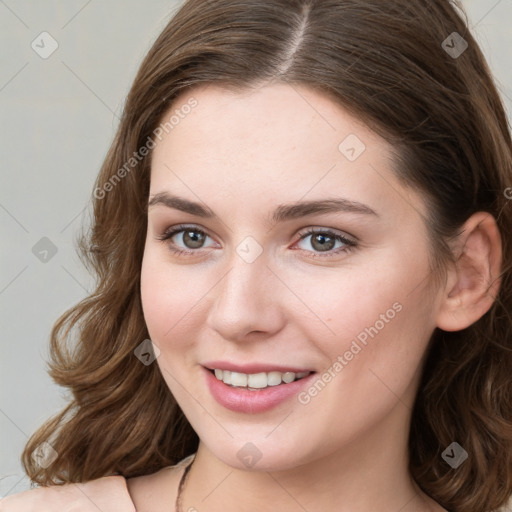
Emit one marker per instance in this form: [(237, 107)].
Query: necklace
[(181, 485), (183, 481)]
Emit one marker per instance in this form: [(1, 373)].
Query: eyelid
[(321, 229)]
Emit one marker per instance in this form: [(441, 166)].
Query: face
[(242, 275)]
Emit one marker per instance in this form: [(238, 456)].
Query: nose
[(247, 300)]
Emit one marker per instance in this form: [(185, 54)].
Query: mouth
[(257, 381), (255, 387)]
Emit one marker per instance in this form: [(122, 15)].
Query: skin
[(242, 155)]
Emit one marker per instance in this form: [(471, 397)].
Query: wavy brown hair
[(385, 63)]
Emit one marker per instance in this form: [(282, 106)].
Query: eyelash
[(349, 243)]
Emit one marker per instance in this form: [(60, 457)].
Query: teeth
[(239, 379), (273, 378), (257, 380), (288, 377)]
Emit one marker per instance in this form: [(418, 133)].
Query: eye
[(191, 236), (324, 240)]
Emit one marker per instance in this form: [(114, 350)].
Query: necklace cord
[(181, 485)]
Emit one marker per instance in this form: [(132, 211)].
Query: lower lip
[(247, 401)]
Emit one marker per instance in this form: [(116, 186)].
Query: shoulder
[(152, 492), (108, 494)]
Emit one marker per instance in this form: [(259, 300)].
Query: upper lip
[(251, 368)]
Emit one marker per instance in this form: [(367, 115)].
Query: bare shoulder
[(155, 491), (109, 494)]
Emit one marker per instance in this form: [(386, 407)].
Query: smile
[(255, 392), (255, 381)]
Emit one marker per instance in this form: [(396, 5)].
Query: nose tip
[(242, 303)]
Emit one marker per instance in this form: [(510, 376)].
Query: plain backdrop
[(59, 113)]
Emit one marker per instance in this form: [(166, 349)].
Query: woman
[(304, 279)]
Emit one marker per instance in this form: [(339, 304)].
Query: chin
[(260, 455)]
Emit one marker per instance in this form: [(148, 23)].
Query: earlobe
[(473, 283)]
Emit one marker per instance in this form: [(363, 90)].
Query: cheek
[(372, 360), (378, 318), (347, 303), (168, 297)]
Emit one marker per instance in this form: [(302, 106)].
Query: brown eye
[(324, 241), (192, 239), (320, 242)]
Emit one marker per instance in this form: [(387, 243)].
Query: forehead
[(275, 143), (279, 118)]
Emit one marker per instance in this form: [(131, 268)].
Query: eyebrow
[(282, 213)]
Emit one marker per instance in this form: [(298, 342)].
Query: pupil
[(196, 239), (321, 239)]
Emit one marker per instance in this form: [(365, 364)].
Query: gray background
[(59, 116)]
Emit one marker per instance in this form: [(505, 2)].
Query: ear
[(473, 283)]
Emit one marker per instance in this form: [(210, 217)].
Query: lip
[(252, 402), (253, 367)]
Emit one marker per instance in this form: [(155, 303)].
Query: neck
[(369, 473)]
